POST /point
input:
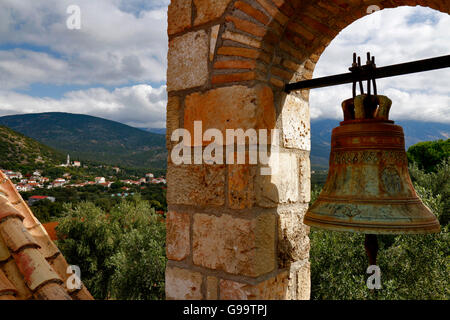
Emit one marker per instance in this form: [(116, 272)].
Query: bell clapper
[(371, 245)]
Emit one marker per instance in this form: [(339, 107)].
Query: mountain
[(156, 130), (415, 131), (92, 138), (96, 139), (321, 142), (17, 150)]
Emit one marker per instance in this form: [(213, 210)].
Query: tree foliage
[(101, 196), (121, 253), (435, 186), (428, 155)]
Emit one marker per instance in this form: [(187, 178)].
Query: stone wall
[(233, 233)]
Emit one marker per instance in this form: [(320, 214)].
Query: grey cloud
[(131, 65)]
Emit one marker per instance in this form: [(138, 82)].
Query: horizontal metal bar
[(367, 74)]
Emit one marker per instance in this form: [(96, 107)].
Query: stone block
[(291, 50), (275, 288), (287, 75), (293, 240), (277, 82), (273, 11), (213, 41), (295, 122), (247, 26), (235, 64), (188, 61), (239, 52), (233, 77), (309, 65), (183, 284), (287, 6), (234, 245), (179, 16), (177, 235), (282, 186), (208, 10), (304, 282), (304, 177), (318, 26), (211, 288), (243, 39), (252, 12), (172, 118), (301, 31), (196, 184), (235, 107), (291, 65), (241, 193)]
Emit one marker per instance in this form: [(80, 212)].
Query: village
[(30, 182)]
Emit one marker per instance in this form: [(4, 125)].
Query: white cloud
[(139, 105), (124, 42), (393, 36), (117, 43)]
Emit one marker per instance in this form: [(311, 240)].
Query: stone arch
[(233, 233)]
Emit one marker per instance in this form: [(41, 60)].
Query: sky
[(115, 65)]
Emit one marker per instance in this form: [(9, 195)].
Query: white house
[(100, 180)]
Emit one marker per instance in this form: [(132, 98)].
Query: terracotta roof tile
[(47, 247), (16, 278), (59, 264), (15, 235), (8, 189), (31, 266), (52, 291), (82, 294), (4, 251), (7, 210), (34, 268), (6, 287), (30, 221)]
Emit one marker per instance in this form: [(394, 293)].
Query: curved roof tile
[(31, 266)]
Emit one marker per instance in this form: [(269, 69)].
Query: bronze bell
[(368, 188)]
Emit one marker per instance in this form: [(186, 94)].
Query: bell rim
[(367, 201), (374, 228), (426, 223)]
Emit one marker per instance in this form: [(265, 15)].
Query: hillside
[(96, 139), (18, 151), (415, 131), (92, 138)]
